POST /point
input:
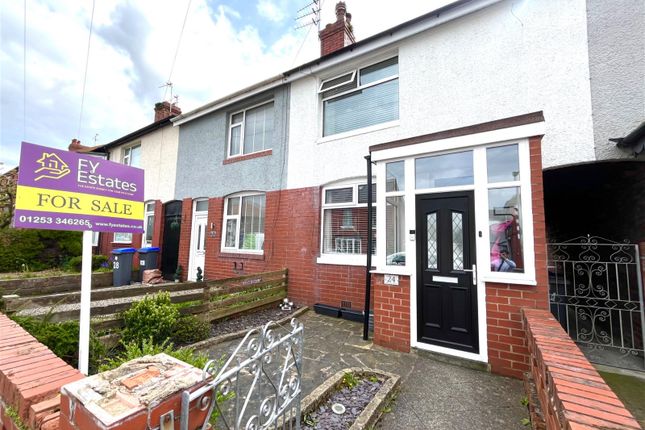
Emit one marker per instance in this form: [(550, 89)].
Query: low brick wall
[(571, 393), (30, 379)]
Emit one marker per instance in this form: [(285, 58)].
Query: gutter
[(372, 43)]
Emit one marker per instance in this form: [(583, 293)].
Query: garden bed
[(364, 393), (237, 326)]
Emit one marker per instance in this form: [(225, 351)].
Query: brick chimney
[(339, 34), (164, 109)]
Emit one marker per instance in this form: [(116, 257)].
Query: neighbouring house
[(479, 119), (154, 149)]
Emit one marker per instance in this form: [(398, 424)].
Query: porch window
[(505, 209), (395, 214), (244, 217), (148, 224), (361, 98), (251, 130), (444, 170), (345, 220)]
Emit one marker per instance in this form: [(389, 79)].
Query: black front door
[(170, 246), (446, 294)]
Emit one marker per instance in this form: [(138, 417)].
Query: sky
[(225, 45)]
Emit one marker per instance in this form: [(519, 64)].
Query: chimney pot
[(338, 34)]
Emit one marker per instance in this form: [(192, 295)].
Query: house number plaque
[(391, 279)]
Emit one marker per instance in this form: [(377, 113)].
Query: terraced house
[(477, 119)]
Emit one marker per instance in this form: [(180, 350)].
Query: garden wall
[(30, 380), (570, 394)]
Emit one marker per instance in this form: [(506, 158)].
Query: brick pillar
[(392, 313), (184, 235)]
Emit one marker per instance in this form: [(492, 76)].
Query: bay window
[(361, 98), (244, 217)]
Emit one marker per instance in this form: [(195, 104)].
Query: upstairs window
[(361, 98), (244, 223), (132, 156), (251, 130)]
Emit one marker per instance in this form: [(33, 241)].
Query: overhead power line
[(87, 61)]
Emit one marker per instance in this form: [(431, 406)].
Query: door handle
[(474, 272)]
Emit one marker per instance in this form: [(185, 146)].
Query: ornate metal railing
[(258, 387), (596, 292)]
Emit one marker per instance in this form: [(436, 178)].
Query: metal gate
[(596, 293), (257, 388)]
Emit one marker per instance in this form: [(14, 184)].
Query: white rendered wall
[(158, 159), (509, 59)]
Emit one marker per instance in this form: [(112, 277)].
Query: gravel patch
[(97, 303), (353, 399), (249, 321)]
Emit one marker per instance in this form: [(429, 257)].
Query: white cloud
[(131, 54), (271, 11)]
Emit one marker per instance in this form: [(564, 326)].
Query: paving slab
[(434, 394)]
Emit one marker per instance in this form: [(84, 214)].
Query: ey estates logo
[(51, 166)]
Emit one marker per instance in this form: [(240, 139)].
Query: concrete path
[(433, 395)]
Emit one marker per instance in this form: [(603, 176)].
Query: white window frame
[(147, 214), (356, 73), (95, 238), (121, 239), (241, 125), (336, 258), (127, 154), (399, 193), (238, 224)]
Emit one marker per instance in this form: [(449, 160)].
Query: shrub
[(62, 339), (134, 350), (37, 249), (154, 318), (190, 329), (75, 263)]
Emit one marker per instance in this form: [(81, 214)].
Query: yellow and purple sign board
[(62, 190)]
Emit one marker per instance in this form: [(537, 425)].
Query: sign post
[(61, 190)]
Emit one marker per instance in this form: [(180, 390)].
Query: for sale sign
[(61, 190)]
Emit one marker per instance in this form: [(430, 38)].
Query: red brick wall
[(292, 240), (507, 349), (392, 313), (30, 379), (571, 393)]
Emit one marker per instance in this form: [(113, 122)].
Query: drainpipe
[(368, 265)]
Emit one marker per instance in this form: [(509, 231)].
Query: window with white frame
[(251, 130), (95, 238), (505, 209), (132, 156), (244, 223), (361, 98), (395, 213), (345, 219), (148, 223), (122, 238)]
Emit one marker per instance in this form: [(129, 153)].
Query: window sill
[(120, 243), (243, 255), (504, 280), (235, 159), (342, 260), (358, 132)]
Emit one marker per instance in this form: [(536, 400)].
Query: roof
[(635, 140), (402, 31), (135, 134)]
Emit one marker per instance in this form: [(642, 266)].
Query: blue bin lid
[(148, 249), (118, 251)]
